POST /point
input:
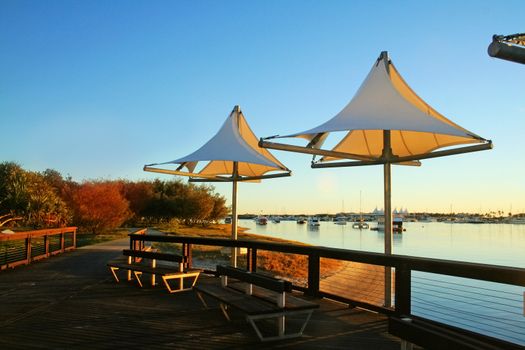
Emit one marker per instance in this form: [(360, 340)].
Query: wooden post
[(46, 245), (189, 263), (314, 263), (403, 291), (28, 249), (75, 238), (62, 242), (251, 260), (186, 254)]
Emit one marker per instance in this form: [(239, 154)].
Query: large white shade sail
[(386, 102), (233, 154), (385, 123), (234, 142)]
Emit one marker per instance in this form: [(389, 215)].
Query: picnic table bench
[(135, 263), (261, 298)]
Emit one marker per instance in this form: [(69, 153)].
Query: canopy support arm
[(394, 159), (309, 150), (181, 173), (243, 178)]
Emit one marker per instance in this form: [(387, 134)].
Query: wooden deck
[(71, 301)]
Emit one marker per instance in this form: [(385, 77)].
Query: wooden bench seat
[(243, 302), (138, 262), (259, 297), (291, 302)]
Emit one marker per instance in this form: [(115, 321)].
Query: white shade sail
[(385, 123), (385, 102), (234, 142)]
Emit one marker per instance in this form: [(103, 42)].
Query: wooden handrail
[(403, 277), (31, 251), (36, 233), (486, 272)]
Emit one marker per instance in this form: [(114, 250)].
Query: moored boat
[(262, 220), (397, 224), (340, 220), (360, 224), (313, 221)]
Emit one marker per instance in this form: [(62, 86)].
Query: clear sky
[(97, 89)]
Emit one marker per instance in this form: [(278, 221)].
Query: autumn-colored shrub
[(100, 206), (47, 199)]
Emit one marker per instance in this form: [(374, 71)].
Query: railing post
[(75, 238), (46, 245), (186, 253), (251, 259), (62, 242), (403, 291), (314, 263), (28, 249)]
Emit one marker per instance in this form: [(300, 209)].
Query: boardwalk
[(357, 281), (71, 302)]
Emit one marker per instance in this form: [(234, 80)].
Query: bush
[(100, 206)]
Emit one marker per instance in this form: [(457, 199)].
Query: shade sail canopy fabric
[(385, 123), (234, 142), (386, 102)]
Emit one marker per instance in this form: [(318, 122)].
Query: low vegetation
[(290, 266), (47, 199)]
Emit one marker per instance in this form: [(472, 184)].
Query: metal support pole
[(387, 153), (234, 213)]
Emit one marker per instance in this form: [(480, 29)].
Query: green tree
[(28, 195), (13, 189)]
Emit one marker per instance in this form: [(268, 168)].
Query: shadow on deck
[(71, 301)]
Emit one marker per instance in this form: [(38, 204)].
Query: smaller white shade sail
[(234, 142), (385, 102)]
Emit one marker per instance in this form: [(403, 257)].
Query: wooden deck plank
[(71, 301)]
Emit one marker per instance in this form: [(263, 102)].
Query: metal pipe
[(243, 178), (387, 184), (181, 173), (506, 51), (234, 213), (395, 160), (314, 151)]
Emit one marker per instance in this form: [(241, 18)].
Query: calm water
[(499, 244), (484, 307)]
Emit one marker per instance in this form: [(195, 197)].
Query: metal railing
[(22, 248), (436, 290)]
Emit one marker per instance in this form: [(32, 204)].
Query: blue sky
[(97, 89)]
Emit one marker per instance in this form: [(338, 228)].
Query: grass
[(84, 239), (290, 266)]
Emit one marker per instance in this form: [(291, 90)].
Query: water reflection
[(500, 244)]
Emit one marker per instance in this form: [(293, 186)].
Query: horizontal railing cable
[(464, 313), (447, 291), (449, 319), (481, 303), (460, 284)]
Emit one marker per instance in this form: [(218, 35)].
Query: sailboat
[(360, 223), (341, 219)]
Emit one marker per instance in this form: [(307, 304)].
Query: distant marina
[(401, 215), (493, 243)]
